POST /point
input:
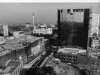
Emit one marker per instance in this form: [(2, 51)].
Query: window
[(68, 10)]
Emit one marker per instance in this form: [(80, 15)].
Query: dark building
[(73, 27)]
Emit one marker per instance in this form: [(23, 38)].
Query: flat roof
[(17, 43)]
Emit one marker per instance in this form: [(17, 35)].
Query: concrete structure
[(5, 29)]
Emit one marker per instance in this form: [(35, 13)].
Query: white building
[(42, 30), (44, 26), (28, 25), (94, 24), (5, 29), (17, 34)]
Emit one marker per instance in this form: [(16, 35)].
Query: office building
[(73, 27)]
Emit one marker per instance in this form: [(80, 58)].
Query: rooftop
[(17, 43)]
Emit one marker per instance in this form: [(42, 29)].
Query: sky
[(19, 13)]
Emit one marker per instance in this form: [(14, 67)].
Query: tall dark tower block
[(73, 27)]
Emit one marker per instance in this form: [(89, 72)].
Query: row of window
[(72, 58), (73, 10)]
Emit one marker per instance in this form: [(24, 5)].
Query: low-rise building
[(18, 33), (43, 29), (72, 55)]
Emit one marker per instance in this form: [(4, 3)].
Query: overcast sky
[(15, 13)]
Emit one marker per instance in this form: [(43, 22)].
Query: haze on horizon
[(17, 13)]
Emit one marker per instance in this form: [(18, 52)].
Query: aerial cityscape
[(49, 39)]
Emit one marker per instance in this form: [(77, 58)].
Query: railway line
[(38, 63), (35, 65)]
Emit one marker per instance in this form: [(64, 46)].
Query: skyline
[(19, 13)]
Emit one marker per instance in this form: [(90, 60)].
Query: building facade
[(94, 24), (73, 27)]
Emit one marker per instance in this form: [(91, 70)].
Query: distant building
[(28, 25), (18, 33), (42, 30), (5, 29), (52, 25), (43, 26)]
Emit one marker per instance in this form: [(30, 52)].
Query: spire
[(33, 18)]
